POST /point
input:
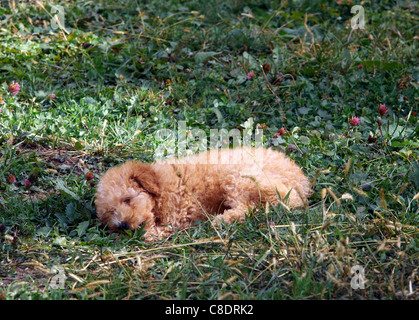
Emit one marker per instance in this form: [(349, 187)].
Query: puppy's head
[(125, 197)]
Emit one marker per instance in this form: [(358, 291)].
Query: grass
[(122, 70)]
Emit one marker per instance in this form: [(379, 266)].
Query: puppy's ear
[(146, 178)]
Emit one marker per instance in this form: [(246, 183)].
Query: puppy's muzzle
[(123, 226)]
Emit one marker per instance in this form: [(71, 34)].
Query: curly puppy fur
[(173, 194)]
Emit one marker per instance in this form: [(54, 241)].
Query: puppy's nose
[(124, 226)]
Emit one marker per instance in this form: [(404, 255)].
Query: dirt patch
[(20, 274), (62, 158)]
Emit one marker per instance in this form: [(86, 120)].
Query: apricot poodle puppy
[(172, 194)]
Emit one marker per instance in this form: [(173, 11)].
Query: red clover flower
[(354, 121), (14, 88)]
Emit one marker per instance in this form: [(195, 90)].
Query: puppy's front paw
[(217, 221), (157, 233), (229, 216)]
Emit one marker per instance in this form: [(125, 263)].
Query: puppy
[(172, 194)]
